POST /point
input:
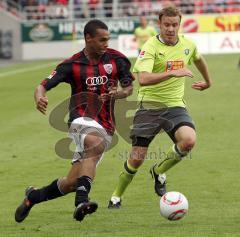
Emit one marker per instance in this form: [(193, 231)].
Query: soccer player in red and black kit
[(93, 75)]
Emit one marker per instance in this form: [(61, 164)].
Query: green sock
[(173, 157), (125, 179)]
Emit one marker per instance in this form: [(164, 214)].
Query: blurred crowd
[(60, 9)]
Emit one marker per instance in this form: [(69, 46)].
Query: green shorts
[(147, 123)]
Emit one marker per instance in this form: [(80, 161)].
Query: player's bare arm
[(117, 94), (41, 99), (122, 93), (203, 69), (146, 78)]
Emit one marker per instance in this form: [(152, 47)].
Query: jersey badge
[(186, 51), (108, 68)]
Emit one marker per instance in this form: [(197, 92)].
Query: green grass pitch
[(209, 178)]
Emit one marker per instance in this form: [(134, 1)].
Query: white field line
[(30, 69)]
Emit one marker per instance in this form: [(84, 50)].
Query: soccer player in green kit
[(143, 32), (161, 71)]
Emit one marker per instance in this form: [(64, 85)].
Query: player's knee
[(136, 163), (188, 144), (137, 156)]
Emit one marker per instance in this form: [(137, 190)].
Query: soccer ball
[(173, 206)]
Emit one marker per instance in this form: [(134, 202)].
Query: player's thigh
[(94, 145), (90, 138), (147, 123)]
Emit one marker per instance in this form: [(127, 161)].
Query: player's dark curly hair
[(92, 26), (169, 11)]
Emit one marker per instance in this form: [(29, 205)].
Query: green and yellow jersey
[(157, 57), (143, 34)]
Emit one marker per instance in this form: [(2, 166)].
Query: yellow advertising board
[(210, 23)]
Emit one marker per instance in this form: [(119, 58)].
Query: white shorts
[(79, 129)]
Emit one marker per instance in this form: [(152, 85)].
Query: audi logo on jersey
[(96, 81)]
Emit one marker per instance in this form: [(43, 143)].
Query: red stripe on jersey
[(114, 71), (77, 80), (76, 74), (74, 57), (90, 106), (106, 109), (115, 82), (104, 89), (115, 52)]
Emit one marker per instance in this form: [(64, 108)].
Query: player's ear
[(88, 38)]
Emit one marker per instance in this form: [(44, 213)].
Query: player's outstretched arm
[(41, 99), (117, 94), (147, 78), (123, 93), (203, 69)]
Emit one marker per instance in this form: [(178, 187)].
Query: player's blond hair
[(169, 11)]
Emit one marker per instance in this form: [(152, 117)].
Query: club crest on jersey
[(186, 51), (52, 74), (108, 68), (141, 54)]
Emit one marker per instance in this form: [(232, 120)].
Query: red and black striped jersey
[(88, 81)]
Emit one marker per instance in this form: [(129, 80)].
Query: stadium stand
[(76, 9), (10, 6)]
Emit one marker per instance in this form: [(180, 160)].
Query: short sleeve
[(195, 55), (125, 76), (59, 75), (145, 60)]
